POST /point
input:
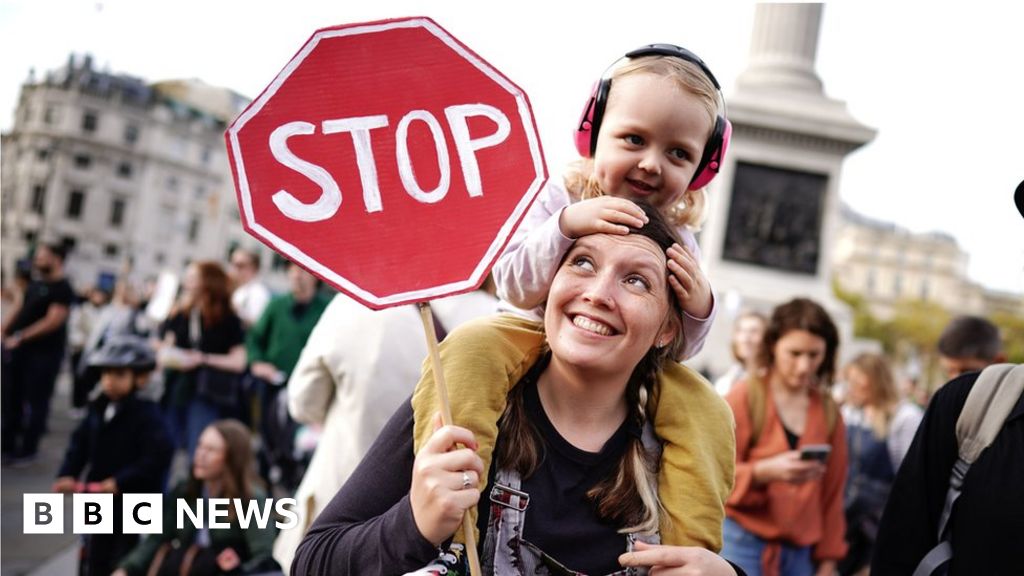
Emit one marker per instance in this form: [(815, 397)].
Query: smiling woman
[(574, 444)]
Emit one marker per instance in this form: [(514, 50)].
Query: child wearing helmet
[(121, 446)]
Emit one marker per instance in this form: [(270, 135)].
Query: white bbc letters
[(327, 204), (144, 513)]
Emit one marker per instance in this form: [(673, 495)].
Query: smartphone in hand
[(817, 452)]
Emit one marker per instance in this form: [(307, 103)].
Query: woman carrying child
[(654, 130), (575, 488)]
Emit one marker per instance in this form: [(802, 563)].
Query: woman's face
[(211, 455), (798, 355), (190, 284), (609, 303), (747, 337), (859, 387)]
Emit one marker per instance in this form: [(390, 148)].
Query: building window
[(29, 236), (124, 169), (160, 258), (131, 134), (50, 115), (42, 154), (68, 243), (193, 229), (924, 289), (111, 250), (117, 212), (76, 200), (90, 121), (38, 198), (205, 156), (172, 183), (897, 286), (200, 192), (83, 161)]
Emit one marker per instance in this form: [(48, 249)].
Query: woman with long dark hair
[(222, 468), (574, 485), (785, 515)]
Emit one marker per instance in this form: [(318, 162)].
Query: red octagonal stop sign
[(389, 160)]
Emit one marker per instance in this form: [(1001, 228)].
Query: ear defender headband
[(590, 120)]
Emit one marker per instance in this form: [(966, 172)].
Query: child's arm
[(482, 360), (694, 293), (526, 268), (523, 272)]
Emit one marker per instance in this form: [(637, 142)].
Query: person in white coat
[(356, 368)]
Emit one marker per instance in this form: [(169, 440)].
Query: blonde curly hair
[(691, 209)]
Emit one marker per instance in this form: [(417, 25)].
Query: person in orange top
[(785, 514)]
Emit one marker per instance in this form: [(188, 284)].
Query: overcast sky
[(944, 85)]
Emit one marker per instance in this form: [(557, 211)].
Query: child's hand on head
[(601, 215), (688, 280)]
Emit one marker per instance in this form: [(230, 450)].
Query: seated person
[(221, 468)]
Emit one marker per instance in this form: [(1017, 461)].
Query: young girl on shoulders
[(653, 130)]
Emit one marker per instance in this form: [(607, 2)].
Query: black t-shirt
[(216, 338), (39, 296), (560, 516), (368, 528)]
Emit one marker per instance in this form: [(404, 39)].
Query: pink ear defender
[(585, 136)]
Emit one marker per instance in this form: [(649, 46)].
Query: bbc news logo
[(144, 513)]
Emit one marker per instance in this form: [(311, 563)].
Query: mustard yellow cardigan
[(484, 358)]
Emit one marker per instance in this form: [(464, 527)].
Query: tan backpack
[(990, 401)]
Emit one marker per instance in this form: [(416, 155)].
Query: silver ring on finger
[(465, 480)]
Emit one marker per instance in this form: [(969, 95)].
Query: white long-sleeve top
[(525, 270)]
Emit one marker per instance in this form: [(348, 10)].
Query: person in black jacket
[(986, 523), (121, 446)]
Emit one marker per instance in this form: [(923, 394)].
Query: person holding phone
[(785, 514)]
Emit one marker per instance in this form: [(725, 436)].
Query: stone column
[(783, 48), (774, 208)]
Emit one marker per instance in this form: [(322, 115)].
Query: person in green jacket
[(274, 344), (221, 468)]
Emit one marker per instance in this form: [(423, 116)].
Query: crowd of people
[(574, 400)]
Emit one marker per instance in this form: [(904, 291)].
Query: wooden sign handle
[(446, 417)]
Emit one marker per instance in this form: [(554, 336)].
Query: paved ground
[(29, 553)]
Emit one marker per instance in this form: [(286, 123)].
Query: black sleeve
[(910, 523), (77, 454), (146, 473), (368, 528), (63, 294), (235, 333)]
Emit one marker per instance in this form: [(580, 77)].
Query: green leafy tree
[(1011, 326)]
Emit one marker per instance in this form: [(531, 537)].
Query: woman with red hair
[(203, 352)]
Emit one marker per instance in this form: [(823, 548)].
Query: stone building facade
[(132, 177), (887, 264)]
